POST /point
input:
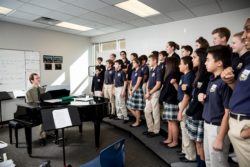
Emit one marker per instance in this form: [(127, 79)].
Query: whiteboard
[(15, 68)]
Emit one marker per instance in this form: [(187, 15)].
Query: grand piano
[(29, 115)]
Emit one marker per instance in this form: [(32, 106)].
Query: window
[(106, 46), (122, 44), (104, 49)]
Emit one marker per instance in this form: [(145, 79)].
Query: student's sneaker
[(125, 121), (3, 144), (152, 134)]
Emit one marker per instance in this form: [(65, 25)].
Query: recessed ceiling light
[(138, 8), (4, 10), (73, 26)]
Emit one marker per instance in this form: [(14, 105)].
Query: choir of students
[(206, 92)]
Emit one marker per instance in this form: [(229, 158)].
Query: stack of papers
[(87, 98), (3, 144), (8, 163), (79, 103), (53, 101)]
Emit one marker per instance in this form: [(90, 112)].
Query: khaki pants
[(108, 94), (241, 146), (98, 93), (188, 146), (214, 158), (121, 110), (144, 88), (152, 113)]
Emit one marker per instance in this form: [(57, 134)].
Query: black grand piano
[(29, 115)]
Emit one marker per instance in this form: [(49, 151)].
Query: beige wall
[(71, 47)]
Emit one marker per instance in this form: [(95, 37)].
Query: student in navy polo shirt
[(119, 91), (171, 47), (109, 85), (130, 66), (183, 95), (126, 62), (135, 101), (239, 121), (162, 61), (152, 109), (99, 64), (194, 122), (216, 108), (112, 57), (144, 67), (201, 43), (221, 36), (170, 102), (97, 83), (186, 50)]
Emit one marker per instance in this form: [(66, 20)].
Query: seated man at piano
[(33, 96)]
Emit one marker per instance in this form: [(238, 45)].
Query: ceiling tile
[(66, 30), (58, 16), (113, 2), (108, 29), (100, 18), (159, 19), (117, 13), (24, 15), (140, 22), (87, 23), (49, 4), (124, 26), (229, 5), (12, 4), (93, 33), (180, 15), (29, 8), (196, 3), (72, 10), (22, 21), (205, 10), (164, 6), (87, 4)]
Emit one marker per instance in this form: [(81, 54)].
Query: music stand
[(49, 122)]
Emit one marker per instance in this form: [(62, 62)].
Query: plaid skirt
[(136, 102), (170, 112), (195, 129)]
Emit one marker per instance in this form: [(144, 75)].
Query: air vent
[(47, 20)]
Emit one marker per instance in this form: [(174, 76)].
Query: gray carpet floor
[(79, 148)]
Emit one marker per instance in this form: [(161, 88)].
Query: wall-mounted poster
[(58, 66), (57, 59), (47, 59), (48, 66)]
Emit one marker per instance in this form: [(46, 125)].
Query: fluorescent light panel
[(4, 10), (138, 8), (73, 26)]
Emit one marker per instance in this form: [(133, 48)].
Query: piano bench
[(14, 125)]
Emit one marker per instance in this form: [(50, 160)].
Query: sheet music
[(61, 118), (79, 103), (87, 98), (19, 93), (53, 100)]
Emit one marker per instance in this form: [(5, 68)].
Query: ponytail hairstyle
[(174, 45), (172, 66), (202, 71)]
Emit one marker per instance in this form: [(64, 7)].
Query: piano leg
[(80, 128), (97, 133), (28, 135)]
